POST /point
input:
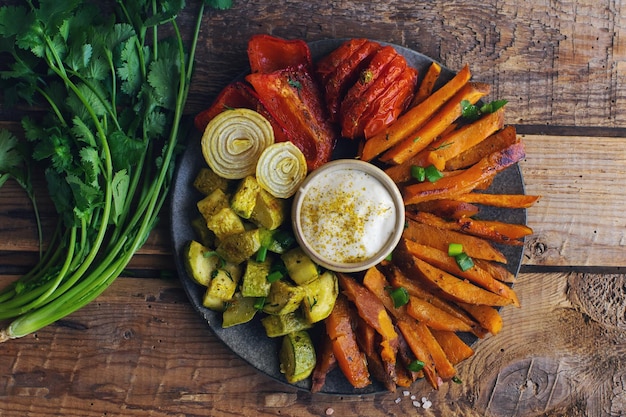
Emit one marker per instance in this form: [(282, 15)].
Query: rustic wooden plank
[(579, 220), (141, 349), (559, 63)]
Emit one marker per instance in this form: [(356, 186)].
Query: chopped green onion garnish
[(259, 303), (389, 257), (463, 261), (261, 254), (400, 296), (456, 380), (419, 173), (275, 276), (415, 366), (432, 173), (455, 249)]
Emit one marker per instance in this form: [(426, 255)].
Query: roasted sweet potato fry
[(445, 370), (477, 275), (496, 270), (494, 231), (417, 289), (487, 316), (369, 341), (455, 349), (420, 350), (440, 238), (414, 118), (433, 317), (449, 286), (450, 187), (427, 84), (325, 362), (420, 139), (372, 310), (447, 209), (350, 359), (458, 141), (499, 200), (498, 141)]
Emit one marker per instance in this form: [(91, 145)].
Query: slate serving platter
[(249, 341)]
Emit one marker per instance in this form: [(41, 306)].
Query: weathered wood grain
[(559, 63), (140, 349)]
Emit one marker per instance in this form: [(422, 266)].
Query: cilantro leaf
[(10, 156)]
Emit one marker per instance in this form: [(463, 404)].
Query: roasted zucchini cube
[(239, 247), (300, 267), (320, 296), (223, 284), (282, 324), (239, 310), (297, 356), (225, 223), (212, 203), (245, 198), (208, 181), (269, 211), (254, 282), (199, 266), (283, 298), (213, 303)]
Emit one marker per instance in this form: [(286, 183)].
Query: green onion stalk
[(115, 91)]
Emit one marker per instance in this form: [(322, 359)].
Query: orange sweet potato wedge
[(455, 349), (498, 141), (372, 310), (477, 275), (414, 329), (417, 289), (449, 209), (420, 139), (499, 200), (458, 141), (427, 84), (435, 237), (487, 316), (434, 317), (350, 359), (449, 286), (414, 118), (420, 350), (450, 187), (325, 362)]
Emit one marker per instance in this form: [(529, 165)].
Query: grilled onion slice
[(234, 140), (281, 169)]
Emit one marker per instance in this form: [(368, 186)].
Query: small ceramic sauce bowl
[(348, 215)]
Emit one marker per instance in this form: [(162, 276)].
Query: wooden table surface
[(141, 349)]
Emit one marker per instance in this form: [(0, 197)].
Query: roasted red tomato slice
[(269, 53), (345, 75), (386, 66), (295, 99), (386, 108)]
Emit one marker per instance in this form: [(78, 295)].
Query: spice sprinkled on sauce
[(347, 216)]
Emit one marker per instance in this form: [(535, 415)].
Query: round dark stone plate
[(249, 341)]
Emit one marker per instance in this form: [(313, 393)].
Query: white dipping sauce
[(347, 215)]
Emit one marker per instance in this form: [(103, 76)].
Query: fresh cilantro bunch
[(112, 89)]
